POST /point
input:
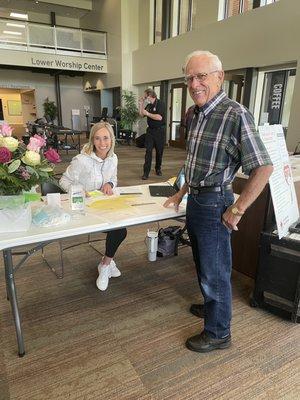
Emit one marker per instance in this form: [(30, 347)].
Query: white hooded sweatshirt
[(91, 171)]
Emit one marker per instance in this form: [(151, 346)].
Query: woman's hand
[(107, 189)]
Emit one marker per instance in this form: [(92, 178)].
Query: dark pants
[(113, 241), (210, 240), (155, 138)]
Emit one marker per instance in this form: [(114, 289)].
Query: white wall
[(106, 16), (72, 95), (262, 37)]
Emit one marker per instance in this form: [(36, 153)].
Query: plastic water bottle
[(77, 197)]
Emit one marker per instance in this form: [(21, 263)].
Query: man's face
[(149, 99), (203, 89)]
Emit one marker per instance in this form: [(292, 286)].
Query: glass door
[(178, 108)]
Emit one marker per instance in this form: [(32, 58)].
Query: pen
[(122, 194), (141, 204)]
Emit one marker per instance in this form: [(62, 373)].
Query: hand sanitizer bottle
[(77, 197)]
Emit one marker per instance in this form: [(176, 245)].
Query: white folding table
[(139, 209)]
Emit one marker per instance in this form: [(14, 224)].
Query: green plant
[(129, 110), (50, 109)]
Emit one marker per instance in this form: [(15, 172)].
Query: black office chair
[(104, 114), (51, 187)]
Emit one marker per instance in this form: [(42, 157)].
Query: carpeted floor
[(127, 343)]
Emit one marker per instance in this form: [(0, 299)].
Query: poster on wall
[(14, 107), (281, 181)]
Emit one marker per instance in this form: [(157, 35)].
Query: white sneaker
[(103, 278), (114, 271)]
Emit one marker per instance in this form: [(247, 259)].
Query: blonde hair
[(214, 59), (89, 147)]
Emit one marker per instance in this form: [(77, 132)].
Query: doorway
[(177, 114)]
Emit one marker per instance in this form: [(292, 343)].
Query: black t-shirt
[(157, 107)]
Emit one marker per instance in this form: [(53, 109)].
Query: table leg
[(11, 290)]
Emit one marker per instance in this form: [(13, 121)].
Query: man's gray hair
[(214, 59)]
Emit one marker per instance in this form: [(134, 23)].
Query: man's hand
[(107, 189), (230, 220), (173, 200)]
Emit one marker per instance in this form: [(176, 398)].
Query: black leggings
[(113, 241)]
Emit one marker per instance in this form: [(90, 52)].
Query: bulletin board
[(14, 107)]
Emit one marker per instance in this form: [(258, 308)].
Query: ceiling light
[(15, 25), (18, 15), (13, 33)]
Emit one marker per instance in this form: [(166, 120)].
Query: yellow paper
[(113, 204), (171, 181), (95, 193)]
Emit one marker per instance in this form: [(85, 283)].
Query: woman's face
[(102, 142)]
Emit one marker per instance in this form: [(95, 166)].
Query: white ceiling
[(6, 6)]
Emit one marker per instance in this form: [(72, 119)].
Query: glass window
[(181, 16), (277, 97), (288, 98), (185, 16), (176, 113), (157, 21), (235, 7), (157, 90), (247, 5)]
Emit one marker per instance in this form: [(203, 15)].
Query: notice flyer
[(281, 181)]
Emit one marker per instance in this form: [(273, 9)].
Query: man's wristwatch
[(237, 212)]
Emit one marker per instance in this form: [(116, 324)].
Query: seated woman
[(96, 168)]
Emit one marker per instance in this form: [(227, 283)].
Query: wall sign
[(14, 107), (53, 61)]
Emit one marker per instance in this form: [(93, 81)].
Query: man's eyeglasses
[(201, 77)]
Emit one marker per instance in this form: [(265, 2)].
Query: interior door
[(177, 114)]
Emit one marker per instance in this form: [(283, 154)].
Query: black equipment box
[(277, 284)]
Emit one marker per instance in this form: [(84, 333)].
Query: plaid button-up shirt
[(221, 138)]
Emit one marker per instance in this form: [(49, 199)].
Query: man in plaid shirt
[(221, 138)]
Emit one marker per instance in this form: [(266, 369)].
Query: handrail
[(32, 36)]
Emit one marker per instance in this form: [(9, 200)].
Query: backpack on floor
[(168, 239)]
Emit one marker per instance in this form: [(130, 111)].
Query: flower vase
[(15, 214)]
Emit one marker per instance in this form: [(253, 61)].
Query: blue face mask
[(147, 101)]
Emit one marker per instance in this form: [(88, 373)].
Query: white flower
[(31, 158), (10, 143)]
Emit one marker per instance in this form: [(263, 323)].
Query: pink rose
[(5, 129), (5, 155), (52, 156), (41, 140), (34, 143)]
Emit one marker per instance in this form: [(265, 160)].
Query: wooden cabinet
[(245, 242)]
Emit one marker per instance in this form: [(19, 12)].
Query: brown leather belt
[(208, 189)]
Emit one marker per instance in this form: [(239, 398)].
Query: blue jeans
[(210, 241)]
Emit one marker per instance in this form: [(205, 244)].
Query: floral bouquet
[(21, 166)]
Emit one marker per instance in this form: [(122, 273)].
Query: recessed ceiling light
[(13, 33), (15, 25), (18, 15)]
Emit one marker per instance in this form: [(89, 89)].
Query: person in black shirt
[(155, 134)]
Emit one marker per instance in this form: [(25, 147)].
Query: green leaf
[(14, 166), (46, 169), (32, 171)]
